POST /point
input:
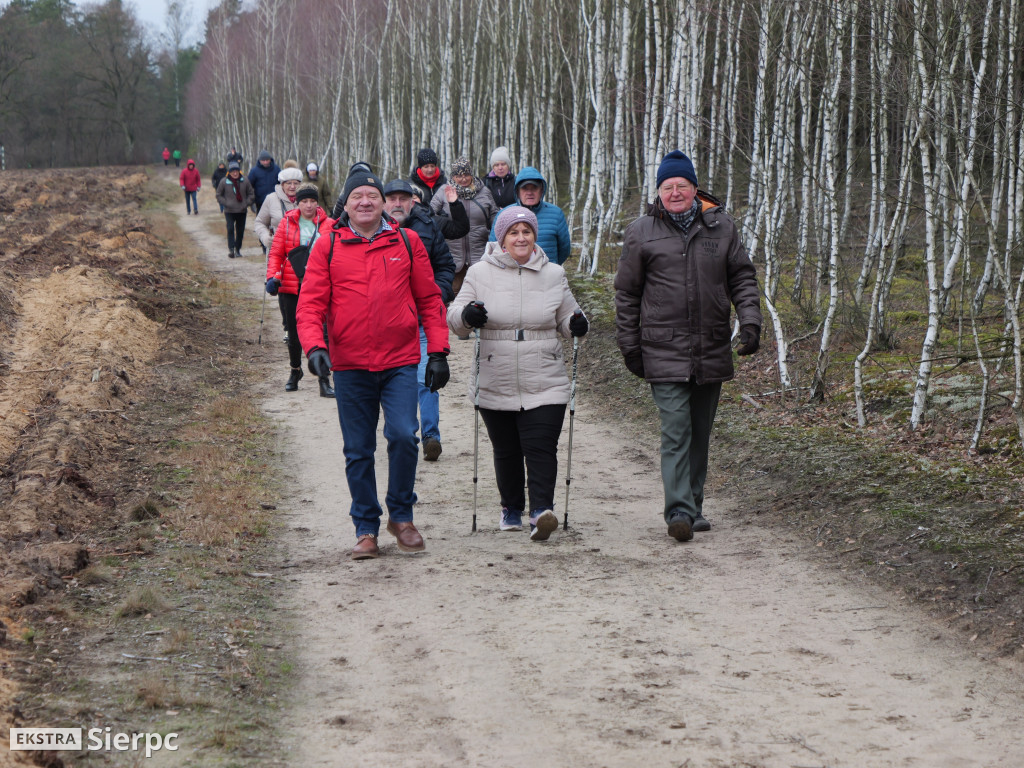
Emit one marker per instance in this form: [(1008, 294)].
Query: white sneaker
[(510, 520), (543, 525)]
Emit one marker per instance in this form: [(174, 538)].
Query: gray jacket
[(467, 250)]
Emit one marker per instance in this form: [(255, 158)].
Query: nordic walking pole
[(262, 310), (572, 413), (476, 417)]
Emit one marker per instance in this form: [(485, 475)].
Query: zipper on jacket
[(519, 324)]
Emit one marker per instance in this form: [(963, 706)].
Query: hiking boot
[(326, 390), (700, 524), (365, 548), (409, 539), (293, 380), (542, 525), (231, 253), (286, 337), (680, 525), (431, 448), (238, 253), (511, 520)]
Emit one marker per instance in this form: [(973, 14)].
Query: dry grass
[(177, 641), (142, 601), (96, 574), (155, 692)]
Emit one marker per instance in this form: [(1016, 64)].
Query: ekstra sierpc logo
[(96, 739)]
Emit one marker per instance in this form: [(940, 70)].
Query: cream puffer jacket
[(521, 361), (274, 207)]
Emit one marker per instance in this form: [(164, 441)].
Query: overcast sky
[(153, 13)]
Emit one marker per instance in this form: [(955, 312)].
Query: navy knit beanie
[(674, 164)]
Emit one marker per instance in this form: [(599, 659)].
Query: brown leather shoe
[(366, 547), (409, 539)]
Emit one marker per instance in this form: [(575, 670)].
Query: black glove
[(272, 285), (437, 374), (475, 315), (578, 325), (750, 340), (319, 362), (635, 364)]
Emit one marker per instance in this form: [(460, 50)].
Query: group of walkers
[(370, 291)]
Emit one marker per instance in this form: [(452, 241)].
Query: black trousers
[(531, 436), (236, 228), (288, 302)]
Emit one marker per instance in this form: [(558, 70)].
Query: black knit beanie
[(361, 178), (426, 156)]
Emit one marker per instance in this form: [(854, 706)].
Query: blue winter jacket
[(553, 229), (263, 181)]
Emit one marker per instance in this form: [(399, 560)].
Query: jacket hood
[(190, 162), (708, 202), (531, 174), (495, 255)]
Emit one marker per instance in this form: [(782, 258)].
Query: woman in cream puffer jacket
[(521, 304)]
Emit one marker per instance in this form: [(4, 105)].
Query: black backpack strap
[(405, 239)]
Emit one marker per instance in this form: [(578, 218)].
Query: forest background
[(870, 149)]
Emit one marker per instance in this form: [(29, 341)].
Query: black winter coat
[(428, 193), (422, 223), (452, 226), (502, 190)]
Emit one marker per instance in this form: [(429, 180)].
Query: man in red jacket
[(370, 280), (190, 182)]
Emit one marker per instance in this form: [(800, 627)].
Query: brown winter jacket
[(226, 194), (673, 293)]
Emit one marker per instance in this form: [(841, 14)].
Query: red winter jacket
[(288, 236), (189, 178), (373, 298)]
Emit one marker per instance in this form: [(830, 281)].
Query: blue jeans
[(360, 396), (191, 202), (430, 402)]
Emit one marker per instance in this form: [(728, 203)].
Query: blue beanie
[(674, 164)]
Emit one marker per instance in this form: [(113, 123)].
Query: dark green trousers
[(687, 414)]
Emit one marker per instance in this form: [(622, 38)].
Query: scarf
[(685, 219), (467, 193), (236, 187), (430, 181)]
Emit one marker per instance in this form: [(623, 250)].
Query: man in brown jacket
[(682, 265)]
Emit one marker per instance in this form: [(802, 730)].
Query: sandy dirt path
[(611, 644)]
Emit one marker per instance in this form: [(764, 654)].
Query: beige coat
[(274, 207), (532, 302)]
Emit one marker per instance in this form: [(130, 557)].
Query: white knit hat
[(500, 155)]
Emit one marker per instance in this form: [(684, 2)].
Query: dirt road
[(611, 644)]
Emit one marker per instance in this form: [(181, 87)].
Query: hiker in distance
[(235, 195), (190, 182), (681, 267), (520, 301), (364, 277), (553, 233), (300, 226)]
